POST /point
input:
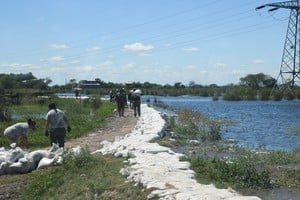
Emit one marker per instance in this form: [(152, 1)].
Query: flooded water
[(273, 125)]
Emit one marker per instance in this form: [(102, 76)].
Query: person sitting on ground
[(20, 130)]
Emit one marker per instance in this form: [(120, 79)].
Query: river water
[(273, 125)]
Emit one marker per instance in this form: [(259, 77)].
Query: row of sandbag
[(16, 160)]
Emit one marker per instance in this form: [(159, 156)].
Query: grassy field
[(83, 116)]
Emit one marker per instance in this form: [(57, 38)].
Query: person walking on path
[(129, 97), (121, 100), (136, 102), (57, 121), (20, 130)]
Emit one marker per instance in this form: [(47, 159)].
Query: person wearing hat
[(56, 122), (20, 130)]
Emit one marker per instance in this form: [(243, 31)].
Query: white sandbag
[(15, 154), (76, 150), (35, 156), (4, 166), (13, 145), (2, 156), (46, 162), (59, 161), (22, 166), (54, 147)]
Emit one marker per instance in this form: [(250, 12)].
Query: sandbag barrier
[(18, 161)]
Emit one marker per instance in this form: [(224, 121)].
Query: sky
[(156, 41)]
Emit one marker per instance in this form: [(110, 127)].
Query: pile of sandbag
[(16, 160)]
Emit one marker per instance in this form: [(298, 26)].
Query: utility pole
[(289, 75)]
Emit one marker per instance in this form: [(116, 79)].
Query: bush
[(241, 172)]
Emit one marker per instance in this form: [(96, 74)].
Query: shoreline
[(159, 168)]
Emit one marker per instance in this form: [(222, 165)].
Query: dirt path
[(113, 127)]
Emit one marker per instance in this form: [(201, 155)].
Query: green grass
[(83, 116), (84, 176)]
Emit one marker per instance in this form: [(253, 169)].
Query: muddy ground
[(114, 126)]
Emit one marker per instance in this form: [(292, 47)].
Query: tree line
[(251, 87)]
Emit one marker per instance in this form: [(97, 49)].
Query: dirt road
[(115, 126)]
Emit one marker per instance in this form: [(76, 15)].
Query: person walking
[(57, 121), (129, 97), (121, 101), (136, 101), (20, 131)]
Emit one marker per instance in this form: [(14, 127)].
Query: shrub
[(241, 172)]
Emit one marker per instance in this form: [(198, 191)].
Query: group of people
[(56, 126), (122, 98)]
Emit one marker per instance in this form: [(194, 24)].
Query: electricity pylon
[(289, 75)]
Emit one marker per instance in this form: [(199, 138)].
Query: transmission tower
[(289, 75)]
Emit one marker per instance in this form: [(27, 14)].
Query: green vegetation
[(83, 115), (84, 176), (224, 164), (16, 87)]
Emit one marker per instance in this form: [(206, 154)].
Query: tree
[(192, 84), (178, 85), (257, 81)]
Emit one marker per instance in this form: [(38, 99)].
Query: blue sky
[(158, 41)]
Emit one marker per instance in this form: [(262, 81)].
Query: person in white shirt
[(57, 121), (20, 131)]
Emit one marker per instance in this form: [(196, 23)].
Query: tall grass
[(195, 126)]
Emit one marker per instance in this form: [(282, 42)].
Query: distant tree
[(73, 81), (178, 85), (192, 84), (257, 81)]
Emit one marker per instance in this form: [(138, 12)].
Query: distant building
[(84, 84)]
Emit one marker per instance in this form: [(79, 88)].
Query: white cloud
[(221, 65), (75, 62), (145, 54), (55, 69), (86, 68), (56, 59), (191, 67), (129, 66), (94, 49), (259, 61), (58, 46), (137, 47), (18, 67), (190, 49), (106, 63)]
